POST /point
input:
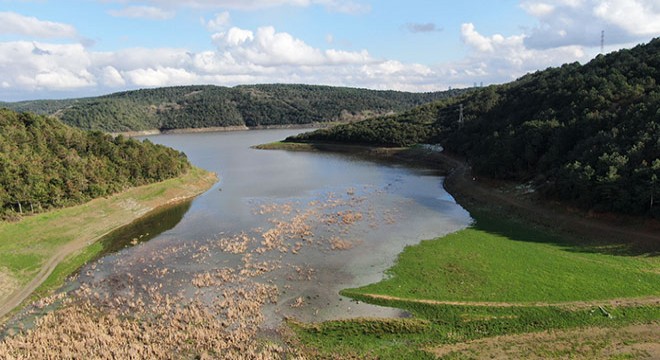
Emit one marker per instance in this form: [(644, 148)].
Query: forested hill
[(589, 134), (46, 164), (213, 106)]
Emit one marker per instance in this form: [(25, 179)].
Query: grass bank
[(498, 277), (39, 251)]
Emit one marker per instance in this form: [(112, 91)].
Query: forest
[(213, 106), (46, 164), (586, 134)]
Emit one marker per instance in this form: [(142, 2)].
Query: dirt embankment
[(151, 132), (638, 235)]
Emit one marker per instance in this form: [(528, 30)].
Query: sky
[(73, 48)]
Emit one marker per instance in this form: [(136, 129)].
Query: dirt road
[(175, 194)]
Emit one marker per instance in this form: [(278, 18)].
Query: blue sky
[(69, 48)]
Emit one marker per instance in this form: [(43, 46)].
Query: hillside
[(46, 164), (588, 134), (213, 106)]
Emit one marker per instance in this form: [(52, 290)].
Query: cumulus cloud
[(161, 76), (580, 22), (143, 12), (17, 24), (51, 67), (640, 17), (267, 47), (242, 56), (110, 77), (496, 58), (422, 27)]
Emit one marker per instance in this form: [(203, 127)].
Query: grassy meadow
[(498, 277)]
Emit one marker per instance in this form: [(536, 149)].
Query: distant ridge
[(214, 106)]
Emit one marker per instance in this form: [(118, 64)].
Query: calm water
[(360, 215)]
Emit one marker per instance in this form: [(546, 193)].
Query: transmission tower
[(460, 117), (602, 41)]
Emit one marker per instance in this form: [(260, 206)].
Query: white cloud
[(233, 37), (347, 57), (160, 76), (497, 58), (637, 17), (13, 23), (52, 67), (267, 47), (473, 38), (143, 12), (219, 22), (243, 56), (264, 55), (110, 77), (538, 9), (580, 22)]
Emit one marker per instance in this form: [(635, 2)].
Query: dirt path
[(567, 304), (18, 296), (630, 342), (184, 192), (461, 181)]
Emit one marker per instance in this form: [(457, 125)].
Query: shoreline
[(152, 132), (504, 197), (98, 218)]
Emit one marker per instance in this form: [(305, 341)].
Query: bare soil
[(639, 232), (630, 342)]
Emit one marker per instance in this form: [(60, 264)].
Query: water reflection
[(145, 229)]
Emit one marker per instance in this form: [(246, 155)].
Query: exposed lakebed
[(279, 236)]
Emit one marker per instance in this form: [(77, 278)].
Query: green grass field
[(500, 261), (496, 260)]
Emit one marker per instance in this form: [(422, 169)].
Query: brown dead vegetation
[(149, 314)]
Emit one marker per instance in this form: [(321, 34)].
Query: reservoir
[(303, 224)]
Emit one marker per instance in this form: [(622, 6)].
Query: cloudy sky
[(71, 48)]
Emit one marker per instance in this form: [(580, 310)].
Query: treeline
[(586, 134), (212, 106), (45, 164)]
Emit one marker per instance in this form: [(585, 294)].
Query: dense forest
[(45, 164), (588, 134), (212, 106)]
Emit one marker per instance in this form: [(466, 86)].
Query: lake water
[(310, 224)]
